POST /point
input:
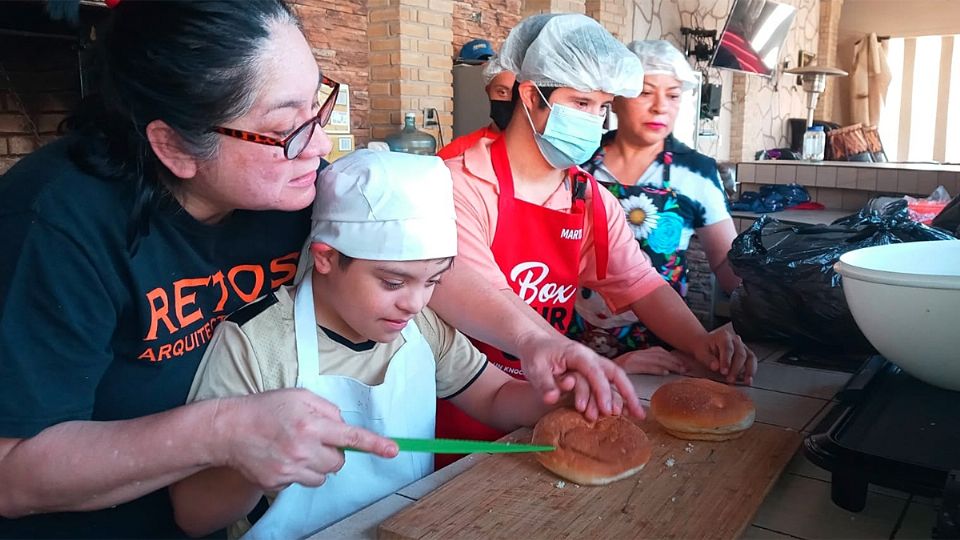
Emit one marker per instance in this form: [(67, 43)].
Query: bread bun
[(701, 409), (591, 453)]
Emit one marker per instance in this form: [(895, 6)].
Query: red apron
[(538, 250)]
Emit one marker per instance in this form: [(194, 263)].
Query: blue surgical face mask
[(570, 137)]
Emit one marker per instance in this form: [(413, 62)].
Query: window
[(921, 117)]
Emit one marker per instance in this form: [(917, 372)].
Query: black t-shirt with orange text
[(92, 331)]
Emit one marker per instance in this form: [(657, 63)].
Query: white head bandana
[(384, 206)]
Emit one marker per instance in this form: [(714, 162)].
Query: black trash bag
[(771, 198), (949, 218), (790, 291)]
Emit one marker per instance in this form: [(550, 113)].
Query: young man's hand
[(555, 364), (577, 390)]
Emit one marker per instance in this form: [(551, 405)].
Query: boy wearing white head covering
[(537, 226), (356, 332), (669, 192)]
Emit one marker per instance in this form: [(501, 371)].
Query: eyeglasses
[(295, 143)]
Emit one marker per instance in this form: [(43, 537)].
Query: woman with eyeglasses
[(179, 195)]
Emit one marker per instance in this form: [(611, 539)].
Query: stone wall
[(769, 103), (754, 109)]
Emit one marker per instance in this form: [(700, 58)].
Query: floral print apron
[(657, 215)]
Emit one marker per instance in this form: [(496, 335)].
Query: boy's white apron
[(404, 405)]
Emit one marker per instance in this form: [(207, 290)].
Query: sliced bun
[(701, 409), (591, 453)]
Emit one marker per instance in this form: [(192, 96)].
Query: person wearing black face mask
[(499, 85)]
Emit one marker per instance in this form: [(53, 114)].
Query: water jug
[(411, 140)]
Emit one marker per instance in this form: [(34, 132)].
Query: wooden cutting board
[(689, 489)]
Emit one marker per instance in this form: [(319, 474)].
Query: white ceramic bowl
[(906, 300)]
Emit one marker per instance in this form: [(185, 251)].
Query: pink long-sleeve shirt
[(630, 276)]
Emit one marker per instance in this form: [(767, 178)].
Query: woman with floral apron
[(668, 192)]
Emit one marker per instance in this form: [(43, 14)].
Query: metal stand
[(948, 517)]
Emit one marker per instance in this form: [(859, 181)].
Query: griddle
[(891, 429)]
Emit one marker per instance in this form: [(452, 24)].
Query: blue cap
[(815, 128), (476, 51)]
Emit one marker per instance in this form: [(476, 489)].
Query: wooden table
[(689, 489)]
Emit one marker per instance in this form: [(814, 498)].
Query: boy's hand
[(551, 359), (724, 352), (652, 361), (289, 436)]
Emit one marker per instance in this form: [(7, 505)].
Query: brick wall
[(411, 62), (533, 7), (487, 19), (738, 87), (39, 77), (337, 33), (39, 84), (612, 14), (395, 55)]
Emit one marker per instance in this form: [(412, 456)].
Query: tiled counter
[(742, 220), (848, 185)]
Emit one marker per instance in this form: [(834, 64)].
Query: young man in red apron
[(536, 226)]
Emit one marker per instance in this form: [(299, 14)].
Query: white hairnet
[(492, 68), (574, 51), (660, 57)]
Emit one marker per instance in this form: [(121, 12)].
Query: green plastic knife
[(457, 446)]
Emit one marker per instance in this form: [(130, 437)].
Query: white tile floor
[(917, 522), (799, 505)]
